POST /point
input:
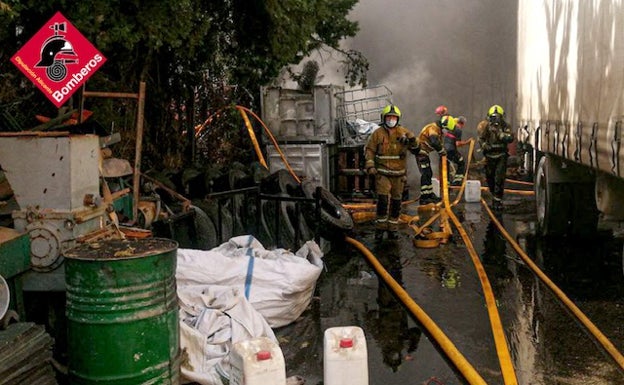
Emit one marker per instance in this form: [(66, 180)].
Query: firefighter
[(385, 154), (452, 139), (430, 139), (441, 110), (494, 134)]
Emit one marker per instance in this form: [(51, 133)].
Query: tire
[(305, 233), (332, 212), (205, 230), (227, 222), (285, 227), (564, 207), (280, 182)]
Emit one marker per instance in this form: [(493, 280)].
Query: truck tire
[(564, 207), (205, 230), (333, 214), (270, 209), (281, 181)]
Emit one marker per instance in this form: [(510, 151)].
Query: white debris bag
[(212, 319), (278, 283)]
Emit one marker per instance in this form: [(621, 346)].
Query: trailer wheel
[(565, 206)]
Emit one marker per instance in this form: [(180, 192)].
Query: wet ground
[(548, 346)]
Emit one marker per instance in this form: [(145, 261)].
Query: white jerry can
[(473, 191), (345, 356), (435, 182), (258, 361)]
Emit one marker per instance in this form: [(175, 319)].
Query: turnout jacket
[(494, 140), (430, 138), (384, 151)]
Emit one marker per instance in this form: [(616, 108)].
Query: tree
[(195, 56)]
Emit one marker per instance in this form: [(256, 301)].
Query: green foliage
[(195, 56), (308, 76)]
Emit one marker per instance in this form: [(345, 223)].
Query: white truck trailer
[(570, 111)]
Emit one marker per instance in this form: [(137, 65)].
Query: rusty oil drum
[(122, 312)]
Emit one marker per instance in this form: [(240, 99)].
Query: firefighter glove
[(505, 137), (372, 171), (405, 140)]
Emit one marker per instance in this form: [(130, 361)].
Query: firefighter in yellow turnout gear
[(494, 135), (386, 152), (430, 140)]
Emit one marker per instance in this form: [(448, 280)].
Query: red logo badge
[(58, 59)]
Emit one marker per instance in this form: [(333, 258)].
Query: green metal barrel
[(122, 312)]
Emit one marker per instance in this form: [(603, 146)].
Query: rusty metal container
[(122, 312)]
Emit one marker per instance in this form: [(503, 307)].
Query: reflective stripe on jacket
[(386, 153)]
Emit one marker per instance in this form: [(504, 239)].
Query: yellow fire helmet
[(390, 110), (448, 122), (496, 109)]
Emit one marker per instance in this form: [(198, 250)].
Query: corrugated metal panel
[(294, 115), (309, 161)]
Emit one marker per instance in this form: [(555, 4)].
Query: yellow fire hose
[(519, 182), (273, 140), (244, 111), (500, 342), (422, 239), (507, 190), (454, 355), (252, 136), (600, 337)]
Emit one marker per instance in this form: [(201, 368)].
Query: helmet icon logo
[(56, 52)]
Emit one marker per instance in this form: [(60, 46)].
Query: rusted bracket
[(547, 135), (564, 140), (578, 142), (615, 148), (593, 145)]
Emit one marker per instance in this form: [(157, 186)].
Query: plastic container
[(436, 186), (258, 361), (345, 356), (473, 191)]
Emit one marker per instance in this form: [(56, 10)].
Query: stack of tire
[(218, 220), (282, 217), (280, 223)]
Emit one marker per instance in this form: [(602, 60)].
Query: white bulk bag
[(279, 284)]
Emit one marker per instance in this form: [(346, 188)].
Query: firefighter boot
[(497, 204), (381, 223), (429, 198), (457, 181), (393, 220)]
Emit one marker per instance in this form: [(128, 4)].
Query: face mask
[(391, 121)]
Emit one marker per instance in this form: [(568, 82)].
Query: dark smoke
[(460, 53), (428, 52)]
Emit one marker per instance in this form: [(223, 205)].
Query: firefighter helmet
[(448, 122), (390, 110), (496, 109), (441, 110)]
